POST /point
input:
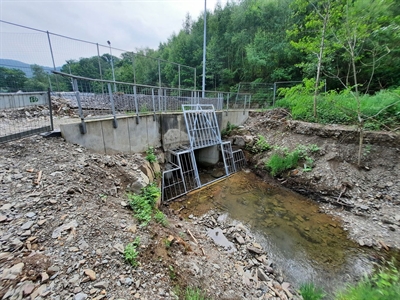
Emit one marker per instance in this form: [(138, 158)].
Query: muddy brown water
[(306, 244)]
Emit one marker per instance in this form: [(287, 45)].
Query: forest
[(347, 44)]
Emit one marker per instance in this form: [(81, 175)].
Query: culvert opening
[(188, 166)]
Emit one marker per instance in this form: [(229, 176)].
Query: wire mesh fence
[(24, 114), (94, 98)]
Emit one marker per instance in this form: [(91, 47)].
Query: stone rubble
[(63, 236)]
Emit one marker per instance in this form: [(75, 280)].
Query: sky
[(127, 24)]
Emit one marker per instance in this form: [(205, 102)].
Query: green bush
[(284, 160), (159, 217), (382, 285), (143, 204), (310, 292), (228, 130), (151, 157), (131, 253), (261, 145)]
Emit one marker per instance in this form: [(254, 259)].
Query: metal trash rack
[(181, 174)]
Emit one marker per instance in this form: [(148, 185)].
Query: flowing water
[(309, 246)]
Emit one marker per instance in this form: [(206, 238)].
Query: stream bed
[(306, 244)]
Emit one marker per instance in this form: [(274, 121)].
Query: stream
[(306, 244)]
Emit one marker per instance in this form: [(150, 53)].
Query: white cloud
[(128, 24)]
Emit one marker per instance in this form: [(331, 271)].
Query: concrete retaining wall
[(166, 130)]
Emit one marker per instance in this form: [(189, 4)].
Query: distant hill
[(26, 68)]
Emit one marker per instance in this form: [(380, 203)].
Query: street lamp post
[(204, 50), (112, 67)]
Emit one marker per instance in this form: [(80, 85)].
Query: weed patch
[(143, 204), (131, 253), (283, 160), (150, 155)]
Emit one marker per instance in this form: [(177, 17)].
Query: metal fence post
[(115, 123), (159, 73), (82, 126), (159, 100), (154, 105), (273, 99), (227, 104), (100, 71), (179, 79), (136, 104), (133, 66), (52, 58), (244, 106), (50, 110)]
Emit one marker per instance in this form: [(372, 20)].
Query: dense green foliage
[(254, 43), (143, 203), (380, 111)]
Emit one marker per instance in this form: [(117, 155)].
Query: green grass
[(379, 111), (384, 284), (194, 294), (283, 160), (143, 204), (131, 253), (310, 292)]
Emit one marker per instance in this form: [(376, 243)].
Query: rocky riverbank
[(64, 223)]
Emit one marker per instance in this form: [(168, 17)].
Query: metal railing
[(94, 98)]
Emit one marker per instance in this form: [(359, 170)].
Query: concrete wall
[(16, 100), (166, 130)]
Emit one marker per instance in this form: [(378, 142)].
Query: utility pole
[(204, 49)]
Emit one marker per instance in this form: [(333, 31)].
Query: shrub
[(143, 204), (159, 217), (151, 157), (228, 130), (131, 253), (261, 145)]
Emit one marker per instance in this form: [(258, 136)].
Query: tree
[(355, 31), (11, 80), (311, 37)]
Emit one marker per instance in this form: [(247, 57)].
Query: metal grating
[(227, 155), (202, 125), (239, 159)]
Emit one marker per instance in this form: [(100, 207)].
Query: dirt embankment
[(366, 197)]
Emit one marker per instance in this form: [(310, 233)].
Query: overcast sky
[(127, 24)]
